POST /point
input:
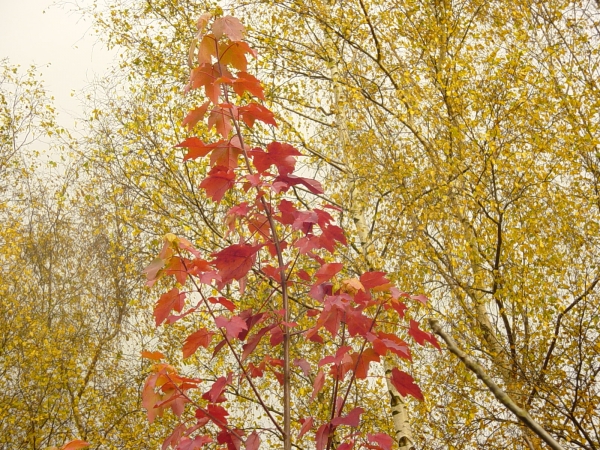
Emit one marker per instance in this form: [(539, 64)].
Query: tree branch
[(502, 396)]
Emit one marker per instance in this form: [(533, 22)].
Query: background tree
[(480, 123), (69, 290)]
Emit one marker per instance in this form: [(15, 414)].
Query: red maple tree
[(284, 246)]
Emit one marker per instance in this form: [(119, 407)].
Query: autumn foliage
[(275, 291)]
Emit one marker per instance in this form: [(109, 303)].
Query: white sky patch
[(60, 43)]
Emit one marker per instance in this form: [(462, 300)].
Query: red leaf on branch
[(200, 338), (196, 148), (303, 275), (234, 54), (304, 365), (281, 155), (358, 323), (361, 362), (234, 326), (220, 119), (228, 26), (306, 425), (384, 440), (223, 301), (284, 182), (322, 436), (399, 307), (373, 279), (216, 413), (253, 342), (220, 179), (337, 359), (193, 444), (327, 271), (318, 384), (169, 301), (253, 441), (155, 356), (393, 343), (276, 336), (405, 384), (248, 83), (195, 116), (207, 49), (225, 153), (214, 394), (75, 445), (352, 419), (177, 267), (331, 234), (253, 112), (231, 438), (422, 336), (235, 261)]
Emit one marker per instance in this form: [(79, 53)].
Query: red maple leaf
[(284, 182), (405, 384), (235, 261), (196, 148), (214, 394), (253, 441), (331, 234), (358, 323), (373, 279), (352, 419), (306, 425), (327, 271), (219, 180), (422, 336), (222, 301), (234, 54), (195, 116), (75, 445), (384, 440), (318, 384), (253, 112), (278, 154), (216, 413), (178, 267), (228, 26), (322, 436), (233, 326), (248, 83), (193, 444), (155, 356), (361, 362), (251, 344), (225, 153), (169, 301), (304, 365), (220, 119), (200, 338), (207, 76), (393, 343), (207, 49)]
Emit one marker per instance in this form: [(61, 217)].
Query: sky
[(57, 41)]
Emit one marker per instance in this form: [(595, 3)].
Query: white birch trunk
[(399, 408)]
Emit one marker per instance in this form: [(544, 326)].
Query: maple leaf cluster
[(275, 233)]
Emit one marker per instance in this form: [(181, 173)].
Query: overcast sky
[(59, 42)]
